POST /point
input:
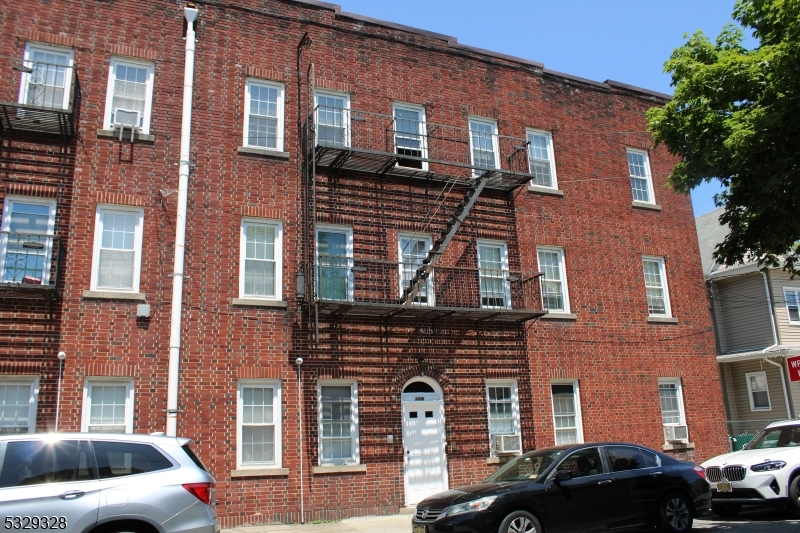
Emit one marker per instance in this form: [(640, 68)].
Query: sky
[(621, 40)]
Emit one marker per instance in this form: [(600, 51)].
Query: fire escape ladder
[(443, 240)]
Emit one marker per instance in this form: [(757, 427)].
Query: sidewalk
[(397, 523)]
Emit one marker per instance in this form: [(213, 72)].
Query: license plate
[(419, 529), (722, 486)]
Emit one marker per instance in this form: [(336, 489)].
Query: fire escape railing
[(30, 261)]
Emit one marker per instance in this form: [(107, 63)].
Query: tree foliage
[(735, 117)]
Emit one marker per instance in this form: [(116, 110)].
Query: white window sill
[(662, 320), (266, 152), (112, 295), (672, 446), (259, 472), (255, 302), (500, 460), (340, 469), (559, 316), (126, 136), (545, 190), (646, 205)]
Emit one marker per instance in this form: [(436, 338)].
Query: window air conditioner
[(507, 444), (126, 118), (676, 434)]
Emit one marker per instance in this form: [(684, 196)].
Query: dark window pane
[(583, 463), (650, 459), (428, 414), (563, 389), (195, 459), (625, 458), (418, 386), (412, 414), (115, 459), (37, 462)]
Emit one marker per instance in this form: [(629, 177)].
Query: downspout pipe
[(777, 342), (190, 13)]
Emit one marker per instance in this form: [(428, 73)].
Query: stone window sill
[(254, 302), (670, 446), (645, 205), (662, 320), (559, 316), (126, 136), (259, 472), (342, 469), (501, 460), (545, 190), (275, 154), (110, 295)]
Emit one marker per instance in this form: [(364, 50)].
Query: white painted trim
[(68, 75), (576, 391), (562, 264), (495, 142), (279, 129), (148, 102), (551, 157), (278, 245), (753, 408), (137, 246), (277, 410), (650, 192), (679, 392), (422, 129), (90, 382), (503, 266), (431, 283), (354, 436), (345, 112), (662, 269), (796, 290), (6, 222), (514, 406), (33, 401)]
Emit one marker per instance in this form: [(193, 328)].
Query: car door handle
[(71, 495), (655, 474), (605, 482)]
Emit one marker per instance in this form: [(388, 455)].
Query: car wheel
[(520, 522), (726, 509), (794, 497), (674, 514)]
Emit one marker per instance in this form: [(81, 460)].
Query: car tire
[(674, 514), (520, 522), (794, 497), (726, 509)]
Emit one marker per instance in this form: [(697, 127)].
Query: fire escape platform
[(335, 308), (16, 117)]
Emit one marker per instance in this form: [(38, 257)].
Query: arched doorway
[(425, 464)]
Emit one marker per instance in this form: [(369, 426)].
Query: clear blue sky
[(622, 40)]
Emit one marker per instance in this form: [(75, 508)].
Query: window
[(338, 423), (413, 250), (792, 297), (493, 273), (108, 406), (117, 459), (26, 241), (263, 115), (758, 391), (624, 458), (409, 135), (655, 282), (261, 260), (555, 297), (334, 263), (36, 462), (130, 94), (18, 398), (669, 390), (566, 412), (333, 119), (540, 159), (49, 82), (583, 463), (641, 183), (503, 407), (258, 432), (117, 248), (483, 143)]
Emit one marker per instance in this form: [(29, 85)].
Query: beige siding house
[(757, 327)]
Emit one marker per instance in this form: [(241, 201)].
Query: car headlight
[(468, 507), (769, 465)]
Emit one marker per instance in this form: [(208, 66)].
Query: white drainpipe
[(190, 12)]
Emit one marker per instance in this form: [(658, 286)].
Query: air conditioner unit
[(126, 118), (507, 444), (676, 434)]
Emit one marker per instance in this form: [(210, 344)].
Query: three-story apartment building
[(357, 262)]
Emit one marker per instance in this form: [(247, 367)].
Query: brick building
[(470, 253)]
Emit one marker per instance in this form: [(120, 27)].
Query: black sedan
[(578, 488)]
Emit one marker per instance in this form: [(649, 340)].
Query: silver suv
[(104, 483)]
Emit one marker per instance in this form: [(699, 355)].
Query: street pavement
[(754, 521)]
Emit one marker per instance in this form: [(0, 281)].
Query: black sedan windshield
[(529, 466)]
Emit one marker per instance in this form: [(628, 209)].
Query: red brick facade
[(611, 349)]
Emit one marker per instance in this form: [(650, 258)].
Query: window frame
[(51, 226), (576, 394), (750, 391), (562, 267), (346, 124), (662, 269), (277, 225), (651, 197), (476, 170), (91, 382), (679, 395), (422, 129), (355, 458), (98, 237), (515, 417), (503, 267), (796, 292), (277, 410), (148, 102), (430, 284), (30, 48), (348, 232), (280, 105), (551, 159), (33, 401)]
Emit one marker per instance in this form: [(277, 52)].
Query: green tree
[(735, 117)]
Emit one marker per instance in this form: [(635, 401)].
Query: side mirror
[(563, 475)]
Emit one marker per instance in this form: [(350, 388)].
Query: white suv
[(765, 472), (104, 483)]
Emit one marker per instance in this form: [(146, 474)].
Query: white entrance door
[(423, 443)]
